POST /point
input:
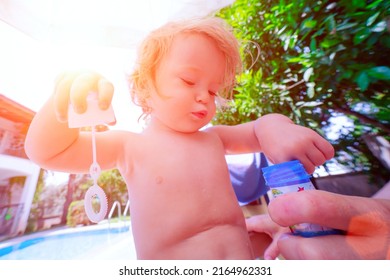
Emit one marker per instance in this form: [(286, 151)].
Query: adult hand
[(366, 222)]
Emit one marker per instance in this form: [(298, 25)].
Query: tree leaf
[(363, 81), (361, 36), (379, 27), (374, 4), (330, 23), (357, 4), (294, 60), (311, 104), (309, 23), (307, 74), (313, 44), (380, 73), (372, 18), (310, 91), (327, 43), (345, 25)]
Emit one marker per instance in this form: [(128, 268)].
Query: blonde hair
[(157, 44)]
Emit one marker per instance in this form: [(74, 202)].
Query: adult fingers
[(334, 247), (316, 248), (320, 207)]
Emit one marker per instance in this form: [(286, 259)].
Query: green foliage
[(114, 186), (32, 222), (76, 214), (111, 181), (312, 60)]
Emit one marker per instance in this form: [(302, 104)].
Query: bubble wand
[(91, 118)]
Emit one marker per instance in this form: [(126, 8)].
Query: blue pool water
[(93, 242)]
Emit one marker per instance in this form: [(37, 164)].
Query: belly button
[(159, 180)]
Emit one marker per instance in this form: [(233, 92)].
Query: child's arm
[(53, 145), (279, 138)]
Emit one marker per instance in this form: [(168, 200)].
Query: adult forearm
[(384, 192)]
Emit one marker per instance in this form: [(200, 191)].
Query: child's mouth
[(200, 114)]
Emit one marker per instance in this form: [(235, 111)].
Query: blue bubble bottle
[(290, 177)]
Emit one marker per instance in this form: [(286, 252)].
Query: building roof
[(15, 112), (15, 120)]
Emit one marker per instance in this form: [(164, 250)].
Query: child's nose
[(203, 96)]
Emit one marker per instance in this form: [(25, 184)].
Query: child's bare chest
[(181, 170), (180, 151), (185, 160), (182, 185)]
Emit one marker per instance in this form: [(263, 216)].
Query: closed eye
[(188, 82), (212, 93)]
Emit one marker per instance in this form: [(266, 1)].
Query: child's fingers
[(59, 78), (325, 147), (81, 87), (272, 251), (317, 152), (261, 226), (315, 156), (307, 164), (105, 92), (61, 96), (260, 243), (261, 223), (264, 224)]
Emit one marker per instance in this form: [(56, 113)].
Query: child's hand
[(281, 140), (261, 225), (74, 87)]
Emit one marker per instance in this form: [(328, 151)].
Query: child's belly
[(191, 222), (220, 242)]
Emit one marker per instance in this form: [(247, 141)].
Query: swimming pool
[(104, 242)]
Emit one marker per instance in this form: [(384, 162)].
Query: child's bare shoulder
[(122, 137)]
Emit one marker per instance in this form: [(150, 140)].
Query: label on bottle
[(304, 229), (293, 188)]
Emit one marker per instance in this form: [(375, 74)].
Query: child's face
[(186, 82)]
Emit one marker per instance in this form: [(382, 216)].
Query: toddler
[(182, 203)]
